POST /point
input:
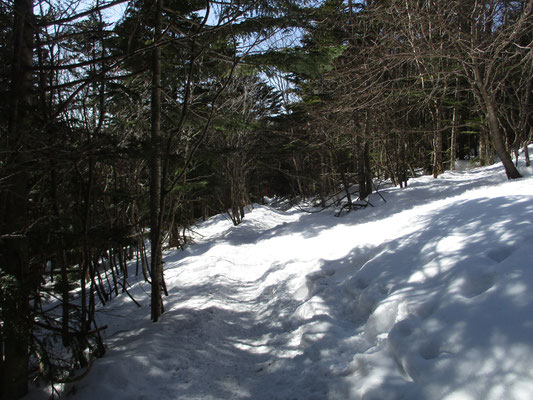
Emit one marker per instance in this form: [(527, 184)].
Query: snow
[(426, 296)]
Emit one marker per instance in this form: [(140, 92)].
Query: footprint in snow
[(476, 283), (429, 350), (500, 253)]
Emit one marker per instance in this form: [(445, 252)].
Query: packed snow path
[(427, 296)]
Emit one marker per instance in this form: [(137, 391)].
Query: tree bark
[(14, 257), (498, 142), (366, 156), (526, 149), (495, 133), (438, 166), (454, 132), (362, 170), (453, 139), (155, 174)]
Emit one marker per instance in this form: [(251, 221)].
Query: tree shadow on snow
[(221, 349)]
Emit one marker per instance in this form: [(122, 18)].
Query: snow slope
[(426, 296)]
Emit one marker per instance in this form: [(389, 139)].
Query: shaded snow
[(427, 296)]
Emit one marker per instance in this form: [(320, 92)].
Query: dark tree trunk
[(364, 175), (346, 189), (14, 256), (361, 175), (455, 128), (499, 144), (484, 153), (526, 153), (453, 139), (368, 170), (323, 181), (438, 166), (155, 174), (495, 132)]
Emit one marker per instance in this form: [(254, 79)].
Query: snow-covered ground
[(427, 296)]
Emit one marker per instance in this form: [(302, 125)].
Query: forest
[(123, 123)]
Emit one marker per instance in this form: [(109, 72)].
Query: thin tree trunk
[(323, 189), (366, 156), (368, 170), (361, 174), (65, 300), (483, 147), (498, 142), (112, 268), (526, 150), (155, 174), (453, 138), (16, 325), (298, 180), (346, 189), (438, 167), (494, 127)]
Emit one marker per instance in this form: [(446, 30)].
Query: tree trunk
[(368, 169), (437, 154), (15, 328), (364, 176), (155, 174), (323, 173), (346, 189), (498, 142), (366, 157), (526, 150), (453, 138), (438, 166), (298, 180), (487, 100), (361, 176), (483, 147)]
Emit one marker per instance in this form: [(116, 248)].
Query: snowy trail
[(428, 296), (252, 325)]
